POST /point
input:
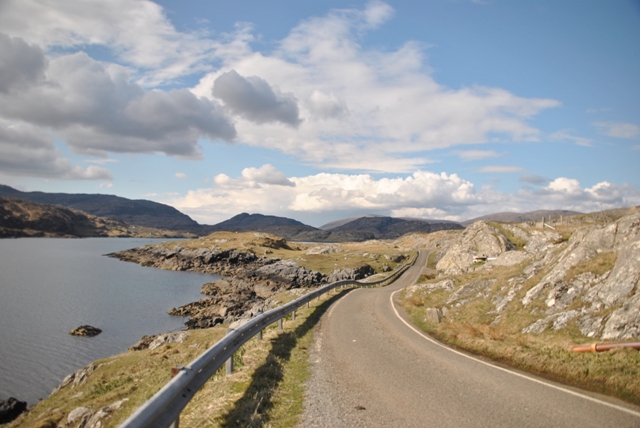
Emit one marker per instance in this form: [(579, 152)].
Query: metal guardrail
[(163, 409)]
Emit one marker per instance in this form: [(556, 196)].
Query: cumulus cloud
[(568, 193), (395, 108), (21, 64), (26, 150), (326, 106), (324, 197), (255, 177), (266, 190), (180, 175), (137, 33), (254, 99), (618, 129), (97, 110)]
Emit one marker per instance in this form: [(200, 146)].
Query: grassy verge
[(472, 327), (267, 387)]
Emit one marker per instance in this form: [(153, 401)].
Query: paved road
[(372, 369)]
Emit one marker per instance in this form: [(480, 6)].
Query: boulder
[(479, 239), (433, 315), (10, 409), (85, 330)]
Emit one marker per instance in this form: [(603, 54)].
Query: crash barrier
[(163, 409)]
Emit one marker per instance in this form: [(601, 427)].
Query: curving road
[(373, 369)]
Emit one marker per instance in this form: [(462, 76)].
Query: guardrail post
[(293, 315), (260, 335), (280, 324), (174, 372), (229, 362), (307, 305)]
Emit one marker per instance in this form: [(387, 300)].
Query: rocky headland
[(252, 271)]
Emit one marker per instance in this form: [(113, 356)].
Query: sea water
[(48, 286)]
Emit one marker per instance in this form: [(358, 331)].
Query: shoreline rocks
[(10, 409)]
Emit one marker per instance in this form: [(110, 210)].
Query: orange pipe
[(599, 347)]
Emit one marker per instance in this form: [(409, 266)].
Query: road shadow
[(251, 410)]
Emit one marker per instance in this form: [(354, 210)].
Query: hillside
[(134, 212), (20, 218), (390, 228), (511, 217)]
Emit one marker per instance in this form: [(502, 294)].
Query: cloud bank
[(423, 194)]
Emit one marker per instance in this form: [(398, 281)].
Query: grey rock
[(479, 239), (174, 337), (433, 315)]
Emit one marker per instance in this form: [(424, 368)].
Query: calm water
[(50, 286)]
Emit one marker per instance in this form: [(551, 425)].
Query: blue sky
[(324, 110)]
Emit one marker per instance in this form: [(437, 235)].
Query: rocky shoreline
[(249, 280)]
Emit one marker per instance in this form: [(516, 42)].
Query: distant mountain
[(134, 212), (281, 226), (20, 218), (510, 217), (389, 227)]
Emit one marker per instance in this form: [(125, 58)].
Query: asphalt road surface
[(371, 368)]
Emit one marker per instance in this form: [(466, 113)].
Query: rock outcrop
[(10, 409), (590, 280), (478, 240), (85, 330)]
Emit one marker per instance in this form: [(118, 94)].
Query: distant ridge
[(282, 226), (134, 212), (381, 227), (511, 217)]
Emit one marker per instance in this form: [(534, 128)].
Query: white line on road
[(568, 391)]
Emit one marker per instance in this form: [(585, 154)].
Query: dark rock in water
[(85, 330), (10, 409)]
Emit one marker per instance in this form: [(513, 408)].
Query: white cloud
[(137, 33), (500, 169), (618, 129), (324, 197), (97, 110), (180, 175), (395, 108), (567, 193)]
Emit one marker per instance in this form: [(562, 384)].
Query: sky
[(318, 111)]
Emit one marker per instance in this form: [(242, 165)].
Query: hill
[(133, 212), (511, 217), (20, 218), (389, 227)]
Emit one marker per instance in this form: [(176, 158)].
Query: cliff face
[(589, 281)]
